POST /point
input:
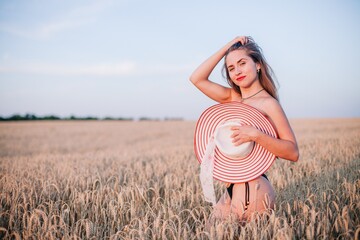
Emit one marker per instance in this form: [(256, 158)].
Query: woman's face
[(241, 68)]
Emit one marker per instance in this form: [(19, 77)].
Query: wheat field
[(140, 180)]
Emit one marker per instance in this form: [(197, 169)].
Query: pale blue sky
[(134, 58)]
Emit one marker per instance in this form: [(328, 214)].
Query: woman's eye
[(242, 63), (231, 69)]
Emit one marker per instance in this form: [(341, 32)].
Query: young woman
[(251, 83)]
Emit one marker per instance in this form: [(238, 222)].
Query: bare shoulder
[(273, 110), (272, 106), (267, 105), (276, 115)]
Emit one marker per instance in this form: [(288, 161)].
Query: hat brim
[(230, 169)]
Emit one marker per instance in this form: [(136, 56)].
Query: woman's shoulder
[(272, 105), (273, 110), (268, 106), (271, 102)]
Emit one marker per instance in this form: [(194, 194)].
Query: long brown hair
[(266, 74)]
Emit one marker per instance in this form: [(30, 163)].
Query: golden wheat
[(139, 180)]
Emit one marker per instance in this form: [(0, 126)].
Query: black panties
[(247, 191)]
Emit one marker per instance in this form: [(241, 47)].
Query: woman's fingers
[(234, 134), (237, 139), (241, 134), (242, 39)]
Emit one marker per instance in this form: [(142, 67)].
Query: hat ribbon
[(206, 172)]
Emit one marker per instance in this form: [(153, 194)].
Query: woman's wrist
[(257, 136)]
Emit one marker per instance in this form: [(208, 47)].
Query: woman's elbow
[(295, 156), (193, 79)]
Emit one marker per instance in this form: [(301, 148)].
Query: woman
[(251, 83)]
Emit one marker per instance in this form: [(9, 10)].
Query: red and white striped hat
[(227, 168)]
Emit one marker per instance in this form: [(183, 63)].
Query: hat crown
[(224, 142)]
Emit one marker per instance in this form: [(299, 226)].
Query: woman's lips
[(240, 78)]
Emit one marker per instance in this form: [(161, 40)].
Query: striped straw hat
[(231, 163)]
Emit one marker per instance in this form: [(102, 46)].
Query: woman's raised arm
[(200, 77)]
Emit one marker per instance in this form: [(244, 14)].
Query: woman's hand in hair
[(242, 39)]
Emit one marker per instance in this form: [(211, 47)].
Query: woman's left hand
[(244, 134)]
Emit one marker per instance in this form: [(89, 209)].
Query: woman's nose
[(237, 71)]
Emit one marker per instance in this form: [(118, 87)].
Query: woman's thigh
[(261, 197), (222, 207)]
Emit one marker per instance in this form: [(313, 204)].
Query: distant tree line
[(29, 117)]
